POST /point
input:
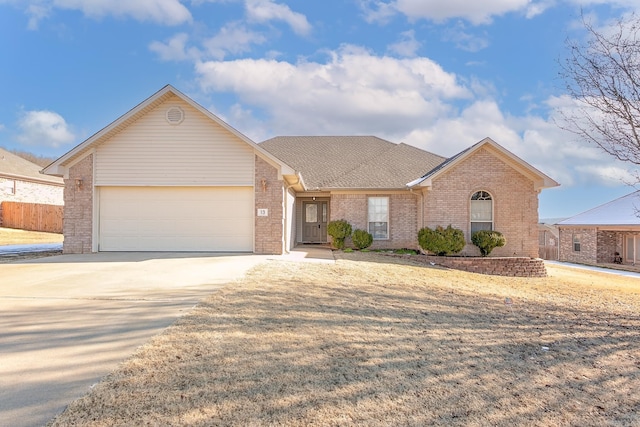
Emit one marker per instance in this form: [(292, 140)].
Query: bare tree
[(33, 158), (603, 75)]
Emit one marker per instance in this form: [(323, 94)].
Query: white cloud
[(36, 14), (233, 38), (403, 100), (353, 92), (538, 8), (165, 12), (612, 175), (44, 129), (465, 40), (175, 49), (476, 12), (407, 46), (267, 10), (377, 11), (536, 139)]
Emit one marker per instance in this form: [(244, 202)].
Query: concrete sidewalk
[(309, 253), (38, 247), (68, 320), (597, 269)]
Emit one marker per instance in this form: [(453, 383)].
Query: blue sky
[(437, 75)]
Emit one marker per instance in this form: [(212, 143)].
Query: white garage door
[(176, 219)]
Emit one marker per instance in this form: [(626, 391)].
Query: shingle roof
[(621, 211), (14, 166), (352, 162)]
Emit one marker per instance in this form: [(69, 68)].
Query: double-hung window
[(481, 211), (378, 217), (577, 238)]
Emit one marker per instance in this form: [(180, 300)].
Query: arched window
[(481, 211)]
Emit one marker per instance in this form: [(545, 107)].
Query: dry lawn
[(10, 236), (379, 341)]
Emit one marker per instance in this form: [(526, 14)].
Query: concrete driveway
[(66, 321)]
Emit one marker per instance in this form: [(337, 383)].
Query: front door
[(314, 218)]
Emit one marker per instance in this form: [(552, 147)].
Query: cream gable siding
[(196, 152)]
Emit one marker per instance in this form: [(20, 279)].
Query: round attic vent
[(175, 115)]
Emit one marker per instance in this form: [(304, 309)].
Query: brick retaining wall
[(497, 266)]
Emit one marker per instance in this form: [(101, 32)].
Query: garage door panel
[(176, 219)]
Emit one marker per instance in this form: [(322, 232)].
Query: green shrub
[(441, 241), (361, 239), (487, 240), (339, 230)]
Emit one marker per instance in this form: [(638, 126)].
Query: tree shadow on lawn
[(350, 351)]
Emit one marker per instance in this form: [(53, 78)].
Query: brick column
[(78, 208), (269, 194)]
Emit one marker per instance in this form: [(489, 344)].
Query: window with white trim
[(378, 217), (481, 211), (576, 242)]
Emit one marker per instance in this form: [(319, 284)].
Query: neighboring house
[(548, 238), (21, 181), (595, 236), (171, 176)]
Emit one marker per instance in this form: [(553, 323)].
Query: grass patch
[(10, 236), (380, 341)]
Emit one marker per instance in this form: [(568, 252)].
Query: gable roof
[(622, 211), (352, 162), (15, 167), (61, 165), (540, 179)]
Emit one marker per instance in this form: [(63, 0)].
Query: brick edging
[(496, 266)]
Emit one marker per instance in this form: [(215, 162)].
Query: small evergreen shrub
[(441, 241), (339, 230), (361, 239), (488, 240)]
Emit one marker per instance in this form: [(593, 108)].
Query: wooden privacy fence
[(31, 216), (548, 252)]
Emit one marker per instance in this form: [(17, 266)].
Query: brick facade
[(588, 253), (515, 203), (403, 217), (609, 242), (78, 210), (269, 194), (447, 202), (596, 246), (515, 207)]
